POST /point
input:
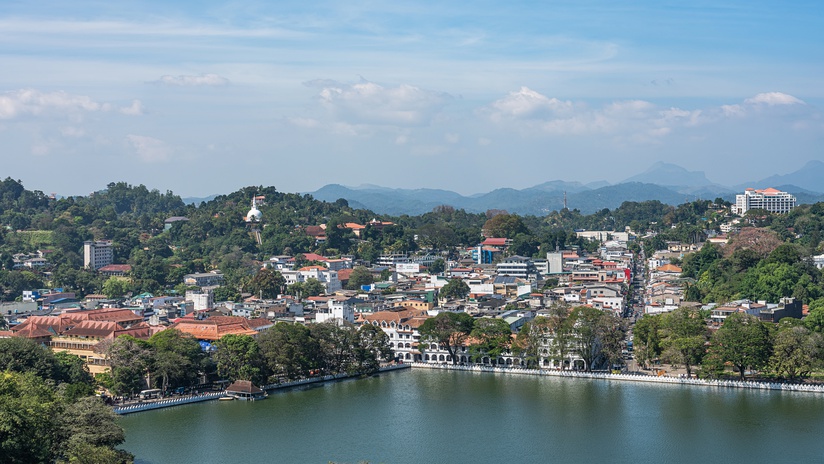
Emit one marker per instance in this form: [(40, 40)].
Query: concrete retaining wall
[(628, 378)]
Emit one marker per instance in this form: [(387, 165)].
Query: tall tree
[(290, 350), (449, 330), (267, 283), (130, 360), (29, 417), (796, 351), (23, 355), (90, 432), (371, 348), (177, 358), (685, 334), (454, 289), (490, 337), (359, 276), (597, 334), (744, 342), (238, 358)]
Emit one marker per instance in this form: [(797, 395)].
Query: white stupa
[(254, 214)]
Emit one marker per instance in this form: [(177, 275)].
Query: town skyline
[(423, 95)]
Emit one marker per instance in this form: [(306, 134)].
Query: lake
[(429, 416)]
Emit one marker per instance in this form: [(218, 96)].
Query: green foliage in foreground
[(47, 413)]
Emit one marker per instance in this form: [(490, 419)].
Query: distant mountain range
[(665, 182)]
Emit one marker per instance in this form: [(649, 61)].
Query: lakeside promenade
[(169, 402), (751, 385)]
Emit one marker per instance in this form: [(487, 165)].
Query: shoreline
[(749, 385), (211, 396)]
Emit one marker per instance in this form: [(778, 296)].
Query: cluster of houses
[(515, 289), (665, 289)]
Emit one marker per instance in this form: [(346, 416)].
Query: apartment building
[(772, 200)]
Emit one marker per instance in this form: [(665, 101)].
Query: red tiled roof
[(768, 191), (215, 327), (243, 386), (494, 242), (668, 268), (344, 274), (116, 268), (312, 268), (315, 231)]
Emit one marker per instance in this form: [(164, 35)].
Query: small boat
[(225, 398)]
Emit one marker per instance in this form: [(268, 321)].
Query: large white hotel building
[(770, 199)]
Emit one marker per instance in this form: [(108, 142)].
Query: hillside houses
[(512, 289)]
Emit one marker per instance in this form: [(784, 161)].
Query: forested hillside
[(216, 236)]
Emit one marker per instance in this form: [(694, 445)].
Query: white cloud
[(759, 103), (32, 102), (192, 81), (530, 112), (373, 104), (773, 99), (136, 109), (528, 104), (149, 149)]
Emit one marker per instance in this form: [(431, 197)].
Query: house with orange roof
[(354, 227), (79, 332), (213, 328), (83, 338), (115, 270), (669, 269)]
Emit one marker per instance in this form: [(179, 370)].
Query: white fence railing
[(167, 403), (812, 388)]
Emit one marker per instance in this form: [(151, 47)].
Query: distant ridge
[(665, 182), (198, 200), (668, 174), (530, 201), (809, 177)]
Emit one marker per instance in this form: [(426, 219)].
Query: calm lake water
[(423, 416)]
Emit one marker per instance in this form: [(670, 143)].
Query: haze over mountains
[(668, 183)]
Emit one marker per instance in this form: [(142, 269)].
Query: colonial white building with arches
[(405, 342)]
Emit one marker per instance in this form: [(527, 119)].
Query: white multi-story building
[(337, 310), (327, 277), (97, 254), (770, 199), (201, 300), (517, 266), (402, 329), (554, 262), (392, 260)]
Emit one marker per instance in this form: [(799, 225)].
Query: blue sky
[(207, 97)]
